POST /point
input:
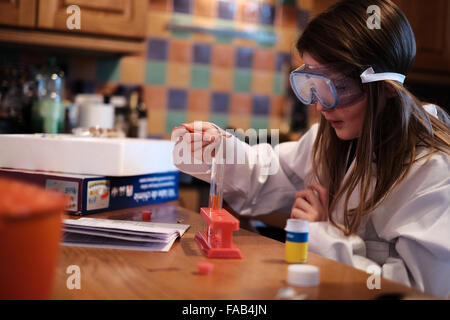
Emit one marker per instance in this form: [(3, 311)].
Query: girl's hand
[(311, 206), (197, 135)]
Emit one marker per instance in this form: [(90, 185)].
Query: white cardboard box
[(80, 155)]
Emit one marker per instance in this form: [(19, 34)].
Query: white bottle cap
[(297, 225), (303, 275)]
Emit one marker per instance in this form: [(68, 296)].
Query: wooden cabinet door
[(20, 13), (430, 21), (123, 18)]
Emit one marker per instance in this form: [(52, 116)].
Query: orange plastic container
[(217, 240), (30, 236)]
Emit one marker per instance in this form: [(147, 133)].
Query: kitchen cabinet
[(121, 18), (19, 13), (430, 21), (105, 25)]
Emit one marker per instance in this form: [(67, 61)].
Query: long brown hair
[(395, 126)]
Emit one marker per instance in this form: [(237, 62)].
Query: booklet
[(121, 234)]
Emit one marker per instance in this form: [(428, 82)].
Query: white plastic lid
[(303, 275), (297, 225)]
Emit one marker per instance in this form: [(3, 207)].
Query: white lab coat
[(407, 236)]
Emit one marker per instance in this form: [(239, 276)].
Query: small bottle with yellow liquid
[(297, 231)]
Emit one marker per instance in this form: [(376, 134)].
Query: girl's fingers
[(199, 126), (309, 195), (299, 214), (301, 203), (323, 193), (200, 145), (199, 137), (196, 137), (178, 133)]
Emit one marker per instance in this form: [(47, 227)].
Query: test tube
[(216, 189)]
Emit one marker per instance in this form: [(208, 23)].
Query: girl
[(373, 177)]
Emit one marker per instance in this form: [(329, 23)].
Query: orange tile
[(160, 5), (192, 116), (239, 121), (275, 123), (178, 75), (180, 50), (248, 12), (262, 82), (264, 59), (222, 55), (286, 17), (156, 121), (287, 37), (156, 24), (155, 97), (132, 70), (207, 8), (222, 79), (305, 4), (277, 107), (241, 104), (199, 100)]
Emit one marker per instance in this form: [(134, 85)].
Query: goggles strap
[(370, 76)]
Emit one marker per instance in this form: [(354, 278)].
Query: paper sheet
[(120, 234)]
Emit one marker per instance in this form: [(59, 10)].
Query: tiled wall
[(195, 76), (230, 81)]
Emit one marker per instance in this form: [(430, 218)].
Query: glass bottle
[(48, 108)]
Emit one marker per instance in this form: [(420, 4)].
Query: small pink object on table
[(146, 215), (204, 268)]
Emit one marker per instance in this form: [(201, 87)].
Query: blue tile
[(267, 14), (220, 102), (282, 60), (244, 57), (202, 53), (303, 18), (177, 99), (226, 10), (157, 49), (182, 6), (260, 105)]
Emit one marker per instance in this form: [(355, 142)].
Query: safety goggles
[(320, 84)]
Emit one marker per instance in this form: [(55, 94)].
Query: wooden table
[(122, 274)]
